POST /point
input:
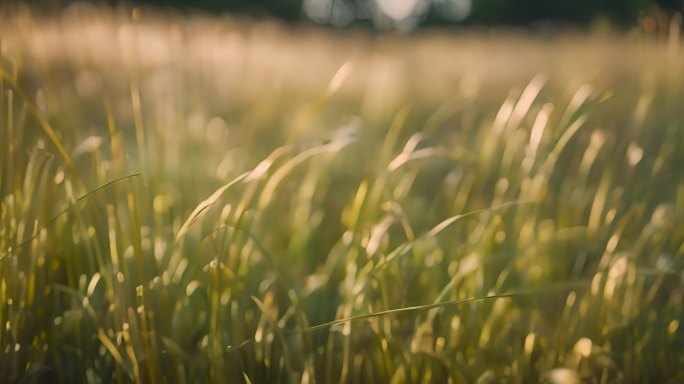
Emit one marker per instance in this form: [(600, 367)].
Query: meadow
[(207, 199)]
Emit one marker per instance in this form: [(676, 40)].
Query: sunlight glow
[(401, 14), (398, 10)]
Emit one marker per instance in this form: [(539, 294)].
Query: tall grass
[(222, 217)]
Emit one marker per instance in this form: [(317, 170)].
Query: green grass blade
[(403, 310)]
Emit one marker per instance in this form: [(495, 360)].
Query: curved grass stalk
[(388, 312), (404, 248), (202, 207), (404, 310), (65, 210)]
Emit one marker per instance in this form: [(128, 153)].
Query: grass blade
[(403, 310), (202, 207)]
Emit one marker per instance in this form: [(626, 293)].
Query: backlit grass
[(203, 200)]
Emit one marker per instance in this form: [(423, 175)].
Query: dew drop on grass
[(570, 301), (159, 249), (160, 203), (225, 298), (529, 343), (90, 145), (455, 323), (155, 281), (596, 283), (583, 347), (346, 328), (440, 344), (191, 287), (673, 327), (612, 243), (610, 216), (562, 376), (619, 268), (59, 176), (383, 344), (93, 283), (634, 154)]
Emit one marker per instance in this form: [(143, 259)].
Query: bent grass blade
[(202, 207)]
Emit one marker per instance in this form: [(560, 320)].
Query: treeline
[(424, 12)]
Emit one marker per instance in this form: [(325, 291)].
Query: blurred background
[(400, 153), (412, 14)]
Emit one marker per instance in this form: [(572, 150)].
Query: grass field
[(201, 200)]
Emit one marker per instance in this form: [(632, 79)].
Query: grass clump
[(511, 228)]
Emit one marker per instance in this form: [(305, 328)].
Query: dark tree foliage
[(483, 12), (286, 9), (523, 12)]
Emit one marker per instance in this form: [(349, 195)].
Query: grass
[(205, 200)]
